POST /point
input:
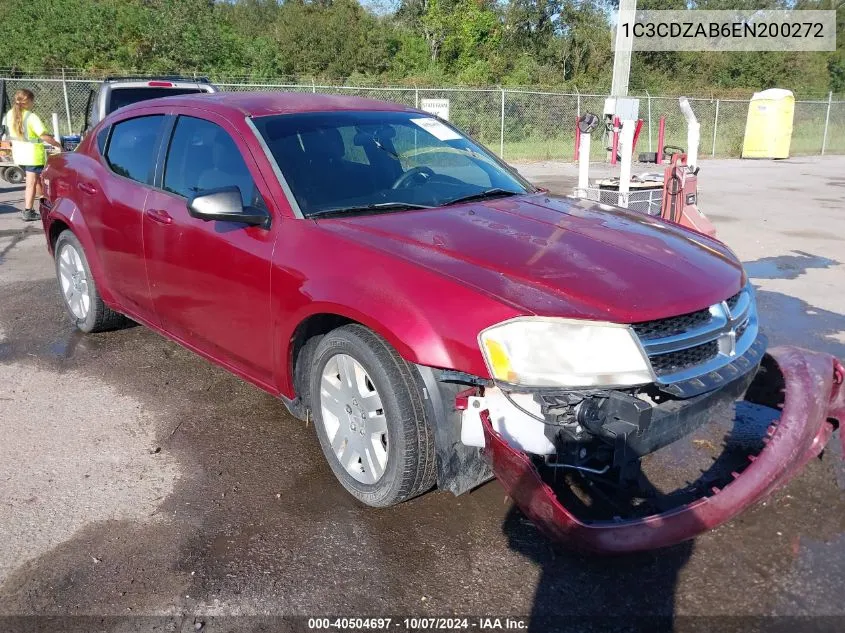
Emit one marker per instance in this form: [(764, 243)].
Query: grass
[(807, 137), (555, 148)]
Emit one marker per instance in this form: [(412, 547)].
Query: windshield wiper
[(495, 192), (378, 206)]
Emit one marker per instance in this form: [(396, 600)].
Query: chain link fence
[(520, 125)]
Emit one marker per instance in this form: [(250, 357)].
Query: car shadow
[(606, 593)]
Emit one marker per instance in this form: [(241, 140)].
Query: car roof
[(258, 104)]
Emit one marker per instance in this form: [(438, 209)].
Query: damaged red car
[(441, 320)]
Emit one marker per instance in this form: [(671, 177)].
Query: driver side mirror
[(224, 205)]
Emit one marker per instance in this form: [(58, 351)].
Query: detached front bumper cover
[(813, 394)]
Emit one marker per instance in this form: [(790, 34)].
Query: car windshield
[(339, 163)]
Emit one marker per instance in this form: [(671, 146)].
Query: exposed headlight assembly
[(554, 352)]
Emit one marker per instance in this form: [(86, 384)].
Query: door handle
[(87, 188), (159, 215)]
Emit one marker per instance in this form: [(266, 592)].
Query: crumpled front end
[(807, 388)]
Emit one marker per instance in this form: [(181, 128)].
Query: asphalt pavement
[(136, 479)]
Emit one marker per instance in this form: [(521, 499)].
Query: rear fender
[(65, 210)]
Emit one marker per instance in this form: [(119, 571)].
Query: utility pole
[(622, 54), (621, 73)]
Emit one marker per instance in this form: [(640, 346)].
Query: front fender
[(421, 341), (428, 318)]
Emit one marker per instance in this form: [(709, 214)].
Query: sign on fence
[(437, 107)]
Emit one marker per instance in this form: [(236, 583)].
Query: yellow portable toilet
[(768, 129)]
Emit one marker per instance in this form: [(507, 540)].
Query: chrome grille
[(733, 301), (693, 344), (672, 325), (684, 359)]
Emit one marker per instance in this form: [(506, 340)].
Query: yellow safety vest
[(29, 149)]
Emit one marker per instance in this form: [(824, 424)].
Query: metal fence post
[(67, 104), (826, 121), (578, 102), (648, 98), (313, 85), (502, 131), (715, 127), (416, 98)]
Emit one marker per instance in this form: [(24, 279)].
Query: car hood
[(559, 256)]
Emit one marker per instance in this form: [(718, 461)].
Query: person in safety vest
[(28, 135)]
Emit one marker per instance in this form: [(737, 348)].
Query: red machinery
[(680, 196), (675, 199)]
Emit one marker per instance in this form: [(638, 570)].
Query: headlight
[(550, 352)]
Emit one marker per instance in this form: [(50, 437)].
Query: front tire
[(370, 418), (78, 289)]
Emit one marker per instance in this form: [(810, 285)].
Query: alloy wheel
[(74, 282), (353, 418)]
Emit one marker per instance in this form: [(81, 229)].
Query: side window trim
[(268, 155), (105, 149), (168, 129)]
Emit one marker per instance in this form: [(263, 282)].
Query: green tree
[(525, 42)]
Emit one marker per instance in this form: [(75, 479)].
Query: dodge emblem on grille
[(727, 343), (727, 339)]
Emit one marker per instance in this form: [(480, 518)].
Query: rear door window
[(204, 156), (133, 146)]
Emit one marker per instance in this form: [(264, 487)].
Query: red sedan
[(438, 317)]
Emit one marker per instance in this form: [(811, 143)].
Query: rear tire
[(370, 418), (78, 289)]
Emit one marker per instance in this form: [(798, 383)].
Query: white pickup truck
[(112, 93), (117, 92)]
